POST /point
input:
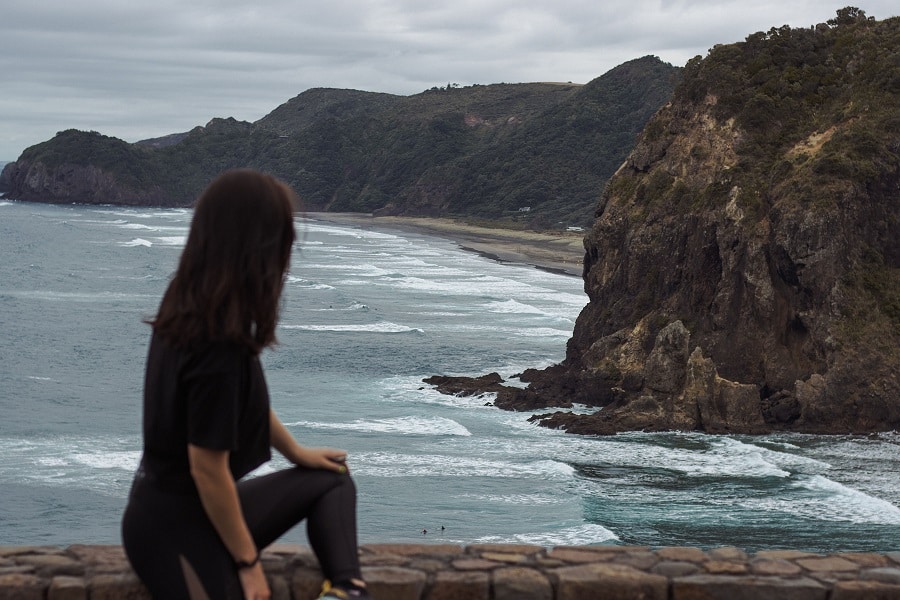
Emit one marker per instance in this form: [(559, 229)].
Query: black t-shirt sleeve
[(216, 392)]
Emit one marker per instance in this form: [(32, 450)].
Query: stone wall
[(492, 572)]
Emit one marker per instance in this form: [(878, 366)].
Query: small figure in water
[(424, 531)]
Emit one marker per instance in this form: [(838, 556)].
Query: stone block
[(505, 548), (415, 549), (723, 567), (474, 564), (728, 553), (682, 554), (828, 564), (17, 569), (394, 583), (306, 583), (100, 559), (506, 558), (450, 585), (784, 554), (117, 586), (382, 560), (573, 556), (639, 560), (673, 569), (21, 586), (882, 574), (20, 550), (772, 566), (48, 565), (609, 581), (732, 587), (865, 590), (278, 586), (67, 588), (428, 565), (521, 583), (866, 559)]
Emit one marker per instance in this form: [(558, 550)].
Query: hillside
[(484, 151), (743, 269)]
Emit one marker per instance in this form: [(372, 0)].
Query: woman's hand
[(330, 459), (253, 581)]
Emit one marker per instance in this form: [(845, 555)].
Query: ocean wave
[(513, 307), (313, 226), (138, 226), (136, 242), (386, 464), (822, 499), (307, 284), (171, 240), (516, 499), (579, 535), (498, 330), (402, 425), (384, 327), (101, 464), (52, 296), (693, 455)]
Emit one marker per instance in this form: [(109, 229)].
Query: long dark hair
[(229, 280)]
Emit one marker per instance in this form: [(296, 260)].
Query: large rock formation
[(743, 269)]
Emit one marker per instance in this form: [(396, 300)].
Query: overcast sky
[(135, 69)]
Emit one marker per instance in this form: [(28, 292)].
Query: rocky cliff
[(743, 269)]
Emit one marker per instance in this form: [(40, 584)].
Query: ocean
[(368, 313)]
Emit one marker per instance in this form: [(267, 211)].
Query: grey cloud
[(138, 69)]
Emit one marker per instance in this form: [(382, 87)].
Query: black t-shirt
[(212, 395)]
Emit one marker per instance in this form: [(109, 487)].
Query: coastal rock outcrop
[(743, 268), (71, 183)]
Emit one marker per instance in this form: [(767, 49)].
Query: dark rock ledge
[(492, 572)]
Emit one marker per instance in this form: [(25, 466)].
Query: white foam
[(833, 501), (100, 464), (411, 425), (138, 226), (386, 464), (513, 307), (136, 242), (75, 296), (516, 499), (579, 535), (171, 240), (384, 327)]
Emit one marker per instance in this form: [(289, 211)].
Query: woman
[(191, 528)]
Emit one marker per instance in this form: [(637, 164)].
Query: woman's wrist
[(246, 564)]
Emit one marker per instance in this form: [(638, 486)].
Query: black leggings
[(161, 531)]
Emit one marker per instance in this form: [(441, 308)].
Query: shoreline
[(555, 252)]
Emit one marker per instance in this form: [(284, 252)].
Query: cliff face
[(744, 266), (70, 183)]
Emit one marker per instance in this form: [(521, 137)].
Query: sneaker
[(337, 593)]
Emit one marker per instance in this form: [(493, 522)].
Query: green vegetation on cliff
[(483, 151), (744, 266)]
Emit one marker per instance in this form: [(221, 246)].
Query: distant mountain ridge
[(539, 153)]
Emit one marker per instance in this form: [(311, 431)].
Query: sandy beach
[(559, 252)]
